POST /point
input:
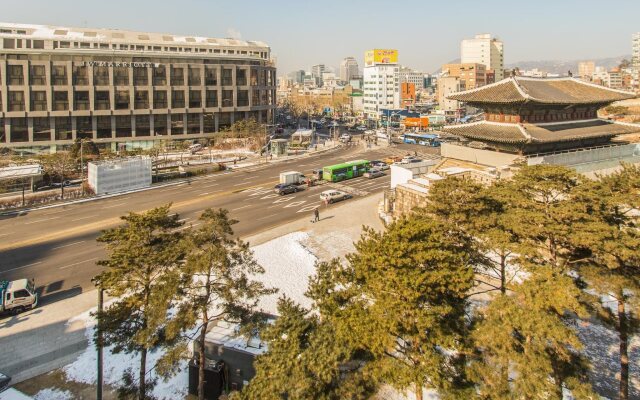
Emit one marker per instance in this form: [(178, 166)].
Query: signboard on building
[(380, 56)]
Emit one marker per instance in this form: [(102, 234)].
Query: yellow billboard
[(380, 56)]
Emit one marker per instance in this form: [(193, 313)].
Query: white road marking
[(212, 185), (250, 178), (203, 194), (40, 220), (24, 266), (308, 208), (269, 196), (115, 205), (67, 245), (79, 219), (78, 263), (295, 204), (239, 184), (3, 234), (240, 208), (282, 200), (268, 216)]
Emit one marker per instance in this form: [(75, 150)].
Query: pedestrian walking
[(316, 215)]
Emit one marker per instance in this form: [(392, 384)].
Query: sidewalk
[(41, 340)]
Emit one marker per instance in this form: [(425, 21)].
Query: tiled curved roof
[(542, 90), (540, 133)]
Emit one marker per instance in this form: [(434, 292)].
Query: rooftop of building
[(31, 31), (564, 90), (540, 133)]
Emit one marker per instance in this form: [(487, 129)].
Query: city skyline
[(304, 38)]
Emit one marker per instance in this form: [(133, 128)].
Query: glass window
[(243, 98), (211, 76), (194, 76), (123, 126), (160, 125), (140, 76), (19, 131), (143, 127), (227, 77), (103, 125), (3, 135), (41, 129), (159, 76), (63, 128), (209, 123), (84, 128), (195, 99), (102, 100), (193, 124), (101, 76), (38, 75), (177, 76), (121, 76), (141, 100), (38, 101), (177, 99), (81, 100), (227, 98), (159, 99), (177, 124), (15, 75), (122, 100), (212, 98), (59, 75), (15, 100), (241, 76)]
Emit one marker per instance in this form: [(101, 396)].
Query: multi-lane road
[(57, 246)]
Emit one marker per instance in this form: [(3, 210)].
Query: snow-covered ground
[(53, 394)]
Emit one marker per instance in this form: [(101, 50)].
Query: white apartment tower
[(483, 49), (636, 52), (349, 69), (381, 82), (316, 73)]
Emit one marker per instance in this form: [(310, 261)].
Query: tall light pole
[(82, 166)]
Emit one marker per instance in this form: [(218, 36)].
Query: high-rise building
[(297, 77), (123, 88), (635, 48), (410, 76), (471, 75), (483, 49), (586, 69), (381, 82), (316, 73), (349, 69)]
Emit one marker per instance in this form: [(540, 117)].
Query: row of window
[(10, 43), (122, 100), (120, 126), (177, 76)]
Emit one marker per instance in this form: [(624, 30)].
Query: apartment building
[(381, 86), (126, 88), (471, 75), (483, 49)]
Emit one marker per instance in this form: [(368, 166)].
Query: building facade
[(410, 76), (349, 69), (586, 69), (483, 49), (447, 86), (635, 51), (316, 73), (126, 88), (381, 83), (471, 75), (407, 94)]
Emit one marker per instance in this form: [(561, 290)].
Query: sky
[(303, 33)]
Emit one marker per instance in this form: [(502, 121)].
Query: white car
[(331, 196)]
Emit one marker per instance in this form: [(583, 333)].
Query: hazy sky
[(302, 33)]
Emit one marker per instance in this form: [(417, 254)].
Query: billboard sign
[(380, 56)]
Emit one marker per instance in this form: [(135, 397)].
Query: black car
[(283, 189)]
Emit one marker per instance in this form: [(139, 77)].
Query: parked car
[(361, 128), (331, 196), (380, 165), (4, 382), (345, 138), (373, 173), (286, 189), (409, 159)]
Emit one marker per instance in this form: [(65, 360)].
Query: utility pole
[(99, 345)]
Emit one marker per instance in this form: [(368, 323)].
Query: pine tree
[(307, 359), (216, 281), (526, 345), (402, 298), (141, 274), (613, 270)]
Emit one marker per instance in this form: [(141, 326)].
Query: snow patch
[(53, 394), (288, 264)]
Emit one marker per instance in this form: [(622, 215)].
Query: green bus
[(347, 170)]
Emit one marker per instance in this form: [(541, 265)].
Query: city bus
[(424, 140), (347, 170)]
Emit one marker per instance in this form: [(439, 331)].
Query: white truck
[(292, 178), (17, 296)]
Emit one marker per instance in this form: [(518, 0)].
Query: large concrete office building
[(123, 88), (483, 49), (381, 82)]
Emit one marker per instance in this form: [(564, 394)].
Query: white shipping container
[(119, 175)]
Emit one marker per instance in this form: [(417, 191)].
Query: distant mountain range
[(563, 66)]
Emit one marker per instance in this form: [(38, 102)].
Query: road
[(58, 247)]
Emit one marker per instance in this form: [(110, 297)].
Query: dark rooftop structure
[(539, 115)]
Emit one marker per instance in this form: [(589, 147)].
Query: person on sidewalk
[(316, 215)]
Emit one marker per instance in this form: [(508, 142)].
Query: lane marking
[(239, 184), (40, 220), (308, 208), (114, 205), (78, 263), (295, 204), (79, 219), (240, 208), (212, 185), (67, 245), (24, 266), (268, 216), (270, 196), (203, 194), (282, 200)]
